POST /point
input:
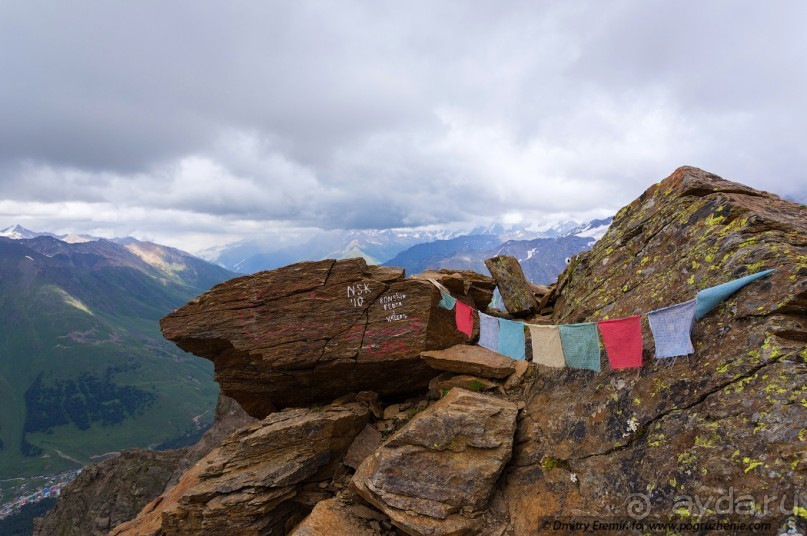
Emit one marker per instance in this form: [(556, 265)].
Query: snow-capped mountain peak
[(595, 229), (18, 232)]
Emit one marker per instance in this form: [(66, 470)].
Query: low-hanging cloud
[(191, 122)]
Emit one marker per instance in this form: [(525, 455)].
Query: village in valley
[(32, 490)]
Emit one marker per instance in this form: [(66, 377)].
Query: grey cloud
[(369, 115)]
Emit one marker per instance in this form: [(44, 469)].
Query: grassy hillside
[(84, 369)]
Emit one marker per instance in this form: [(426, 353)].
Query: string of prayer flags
[(489, 332), (447, 301), (623, 341), (464, 316), (581, 345), (511, 339), (708, 299), (671, 327), (546, 346), (578, 345)]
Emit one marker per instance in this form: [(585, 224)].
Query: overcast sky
[(196, 123)]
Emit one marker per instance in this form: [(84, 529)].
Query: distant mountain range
[(542, 259), (419, 250), (375, 246), (84, 369)]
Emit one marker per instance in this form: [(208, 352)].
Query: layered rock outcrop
[(248, 484), (314, 331), (730, 417), (728, 423), (435, 475)]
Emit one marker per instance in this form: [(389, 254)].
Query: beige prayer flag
[(546, 347)]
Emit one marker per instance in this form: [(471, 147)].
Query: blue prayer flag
[(708, 299), (489, 332), (671, 327), (511, 339)]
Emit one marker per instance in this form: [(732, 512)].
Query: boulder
[(471, 359), (313, 331), (515, 379), (363, 446), (435, 475), (515, 290), (470, 287), (335, 517), (247, 485), (445, 382), (728, 419)]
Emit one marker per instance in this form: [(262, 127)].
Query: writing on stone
[(355, 293), (390, 302)]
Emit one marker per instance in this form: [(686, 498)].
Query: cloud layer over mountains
[(194, 123)]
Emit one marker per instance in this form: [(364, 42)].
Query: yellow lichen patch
[(686, 460), (659, 439), (751, 463), (713, 220), (705, 442), (737, 386)]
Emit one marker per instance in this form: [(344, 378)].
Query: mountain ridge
[(82, 363)]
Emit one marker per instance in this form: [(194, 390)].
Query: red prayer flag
[(623, 341), (464, 317)]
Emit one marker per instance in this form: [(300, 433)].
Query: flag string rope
[(578, 345)]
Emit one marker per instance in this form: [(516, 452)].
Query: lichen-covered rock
[(515, 290), (435, 475), (246, 486), (730, 417), (108, 493), (313, 331)]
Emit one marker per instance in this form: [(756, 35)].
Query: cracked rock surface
[(436, 474), (248, 484), (733, 415), (313, 331)]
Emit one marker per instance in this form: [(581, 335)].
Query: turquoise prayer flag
[(581, 345), (511, 339), (708, 299), (447, 301)]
